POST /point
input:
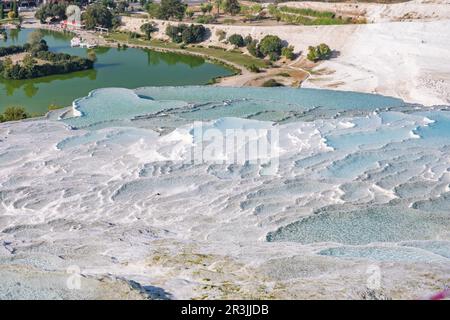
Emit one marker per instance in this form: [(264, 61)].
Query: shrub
[(116, 22), (248, 39), (14, 114), (273, 56), (288, 52), (133, 35), (320, 52), (205, 19), (236, 39), (253, 68), (253, 49), (221, 34), (11, 15)]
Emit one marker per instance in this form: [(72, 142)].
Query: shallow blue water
[(380, 150), (186, 104)]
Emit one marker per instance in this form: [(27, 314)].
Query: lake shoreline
[(241, 77), (130, 68)]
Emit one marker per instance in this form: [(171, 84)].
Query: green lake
[(124, 68)]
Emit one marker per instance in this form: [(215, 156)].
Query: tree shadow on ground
[(157, 293)]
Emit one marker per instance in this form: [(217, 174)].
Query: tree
[(237, 40), (2, 11), (97, 15), (253, 48), (232, 7), (218, 5), (271, 46), (172, 9), (189, 13), (253, 68), (320, 52), (147, 29), (206, 7), (153, 9)]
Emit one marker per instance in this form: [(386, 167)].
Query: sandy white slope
[(410, 60), (425, 10)]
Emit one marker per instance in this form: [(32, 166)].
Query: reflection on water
[(31, 87), (124, 67)]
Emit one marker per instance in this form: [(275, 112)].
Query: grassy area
[(307, 12), (124, 37), (234, 56), (306, 16)]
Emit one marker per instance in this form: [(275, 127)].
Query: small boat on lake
[(75, 42), (78, 42)]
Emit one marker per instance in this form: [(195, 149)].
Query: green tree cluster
[(231, 6), (56, 63), (237, 40), (168, 9), (97, 15), (186, 34), (53, 10), (320, 52), (271, 46), (206, 7)]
